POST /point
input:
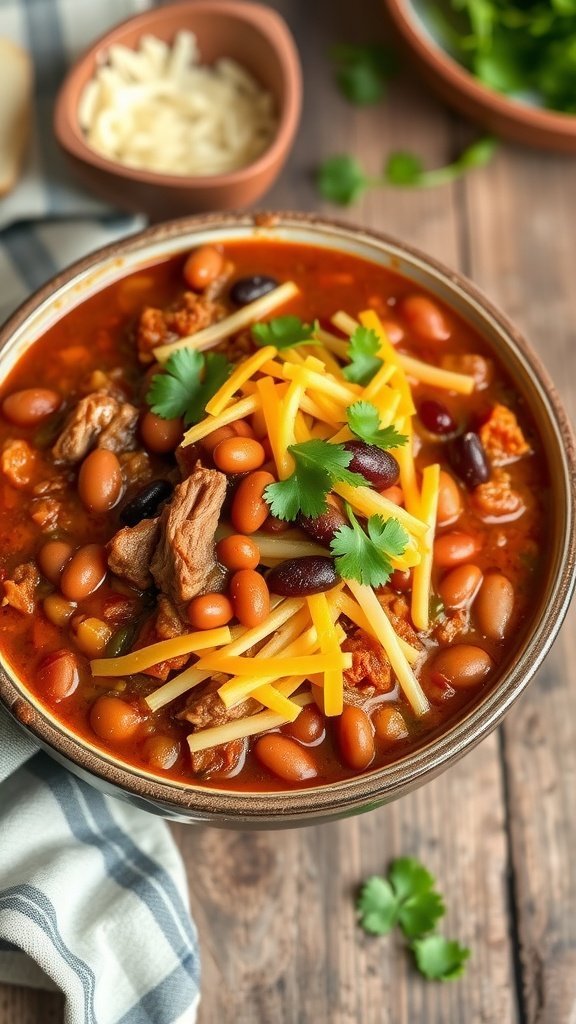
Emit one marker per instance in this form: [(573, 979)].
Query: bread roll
[(15, 110)]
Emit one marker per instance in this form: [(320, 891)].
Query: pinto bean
[(494, 606), (52, 558), (453, 548), (161, 752), (459, 587), (30, 406), (208, 611), (159, 435), (114, 719), (389, 724), (249, 509), (449, 500), (308, 727), (100, 480), (237, 552), (356, 738), (463, 665), (202, 267), (239, 455), (84, 573), (250, 597), (57, 676), (285, 758), (425, 318)]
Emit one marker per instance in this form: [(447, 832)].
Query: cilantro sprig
[(364, 421), (362, 72), (367, 557), (285, 332), (188, 381), (318, 466), (407, 897), (341, 179), (362, 354)]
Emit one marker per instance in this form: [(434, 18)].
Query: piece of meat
[(358, 696), (502, 436), (164, 625), (19, 462), (168, 621), (207, 709), (237, 346), (370, 664), (497, 498), (190, 314), (48, 513), (474, 365), (398, 611), (136, 467), (184, 557), (20, 590), (130, 552), (95, 418), (223, 760), (452, 626)]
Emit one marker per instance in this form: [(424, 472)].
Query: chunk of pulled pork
[(18, 462), (452, 626), (208, 709), (502, 436), (20, 590), (99, 420), (221, 760), (190, 314), (130, 552), (497, 497), (163, 626), (370, 664), (398, 611), (184, 558)]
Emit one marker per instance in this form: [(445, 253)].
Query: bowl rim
[(446, 67), (266, 20), (284, 808)]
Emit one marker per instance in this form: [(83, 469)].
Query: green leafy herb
[(366, 557), (187, 383), (362, 353), (363, 71), (284, 332), (440, 959), (377, 906), (319, 465), (364, 421), (342, 180)]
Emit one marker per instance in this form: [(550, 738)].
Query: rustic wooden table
[(275, 910)]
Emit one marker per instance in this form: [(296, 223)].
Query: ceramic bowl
[(286, 809), (505, 117), (252, 34)]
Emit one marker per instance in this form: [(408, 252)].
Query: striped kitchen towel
[(93, 896)]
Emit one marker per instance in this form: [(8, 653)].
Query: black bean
[(436, 417), (300, 577), (324, 527), (469, 460), (145, 504), (248, 289), (377, 466)]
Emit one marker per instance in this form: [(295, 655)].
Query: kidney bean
[(144, 504), (469, 460), (57, 675), (250, 597), (308, 728), (458, 588), (159, 435), (238, 455), (26, 408), (425, 318), (248, 289), (300, 577), (100, 480), (114, 719), (494, 606), (208, 611), (274, 525), (436, 418), (324, 527), (52, 558), (389, 725), (356, 738), (161, 752), (453, 548), (450, 503), (401, 580), (249, 509), (237, 552), (202, 267), (84, 573), (393, 331), (463, 665), (285, 758), (377, 466)]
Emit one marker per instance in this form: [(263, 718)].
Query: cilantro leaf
[(364, 421), (318, 465), (377, 906), (440, 959), (362, 71), (420, 905), (366, 557), (403, 169), (284, 332), (341, 180), (407, 169), (362, 353), (187, 382)]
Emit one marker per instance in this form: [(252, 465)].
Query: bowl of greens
[(511, 67)]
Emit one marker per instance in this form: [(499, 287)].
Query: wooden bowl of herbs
[(510, 68)]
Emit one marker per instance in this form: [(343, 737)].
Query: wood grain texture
[(275, 911)]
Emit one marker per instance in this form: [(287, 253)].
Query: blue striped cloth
[(93, 896)]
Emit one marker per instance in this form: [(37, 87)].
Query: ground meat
[(237, 346), (48, 513), (502, 437), (370, 664), (18, 462), (221, 760), (99, 419), (481, 369), (451, 626), (20, 590), (130, 552), (398, 611), (207, 709), (190, 314), (184, 558), (497, 497)]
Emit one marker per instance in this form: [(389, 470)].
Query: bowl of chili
[(289, 518)]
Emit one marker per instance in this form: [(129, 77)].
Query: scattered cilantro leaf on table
[(318, 465), (188, 381), (366, 557), (440, 959), (362, 72), (341, 180), (284, 332), (362, 353), (364, 421), (378, 906), (420, 906)]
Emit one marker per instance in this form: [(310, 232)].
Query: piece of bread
[(16, 75)]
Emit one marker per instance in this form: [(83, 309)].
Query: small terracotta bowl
[(251, 34), (505, 117)]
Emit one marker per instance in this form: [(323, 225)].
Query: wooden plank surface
[(275, 910)]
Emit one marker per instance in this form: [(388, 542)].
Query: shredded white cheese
[(159, 109)]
